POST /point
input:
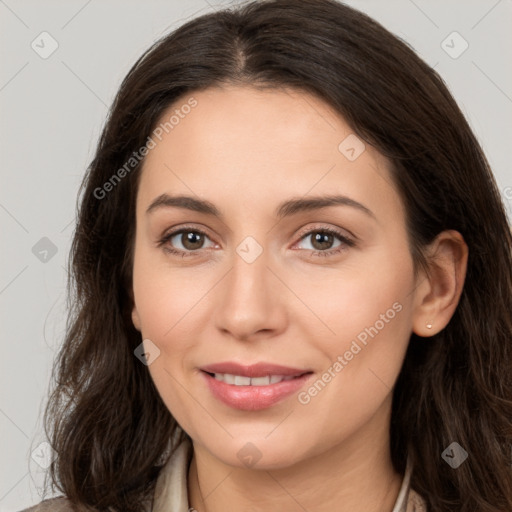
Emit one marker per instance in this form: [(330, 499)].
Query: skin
[(247, 150)]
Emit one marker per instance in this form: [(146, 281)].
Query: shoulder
[(59, 504)]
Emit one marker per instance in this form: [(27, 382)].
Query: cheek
[(172, 305), (363, 315), (370, 317), (167, 302), (354, 298), (165, 297)]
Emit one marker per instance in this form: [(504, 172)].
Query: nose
[(252, 301)]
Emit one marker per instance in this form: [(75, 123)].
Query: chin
[(258, 452)]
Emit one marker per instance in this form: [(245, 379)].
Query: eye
[(323, 239), (190, 239)]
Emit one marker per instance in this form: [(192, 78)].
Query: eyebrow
[(285, 209)]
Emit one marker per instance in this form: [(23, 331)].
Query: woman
[(292, 282)]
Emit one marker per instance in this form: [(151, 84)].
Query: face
[(265, 276)]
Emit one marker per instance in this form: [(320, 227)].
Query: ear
[(135, 313), (438, 293), (136, 318)]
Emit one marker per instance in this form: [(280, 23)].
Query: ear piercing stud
[(429, 326)]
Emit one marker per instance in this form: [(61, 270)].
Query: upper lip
[(261, 369)]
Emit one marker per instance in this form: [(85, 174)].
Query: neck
[(356, 474)]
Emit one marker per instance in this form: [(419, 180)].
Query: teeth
[(261, 381), (239, 380), (227, 378)]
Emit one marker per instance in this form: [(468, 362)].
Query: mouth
[(254, 387), (241, 380)]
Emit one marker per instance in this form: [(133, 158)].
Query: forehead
[(264, 144), (240, 121)]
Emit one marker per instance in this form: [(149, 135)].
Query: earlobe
[(136, 318), (439, 294), (135, 313)]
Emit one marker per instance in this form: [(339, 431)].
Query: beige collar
[(171, 488)]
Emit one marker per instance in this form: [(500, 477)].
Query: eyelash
[(346, 242)]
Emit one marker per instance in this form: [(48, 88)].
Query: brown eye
[(192, 240), (322, 240), (326, 242), (184, 242)]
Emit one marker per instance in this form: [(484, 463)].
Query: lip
[(254, 398), (262, 369)]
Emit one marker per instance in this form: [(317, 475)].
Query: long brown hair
[(105, 418)]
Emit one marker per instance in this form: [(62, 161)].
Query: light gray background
[(52, 111)]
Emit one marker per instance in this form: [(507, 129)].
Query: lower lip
[(254, 398)]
